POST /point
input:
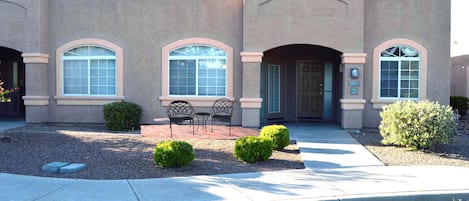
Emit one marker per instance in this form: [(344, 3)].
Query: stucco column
[(251, 102), (36, 99), (353, 103)]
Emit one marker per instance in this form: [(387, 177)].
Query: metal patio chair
[(180, 111), (222, 111)]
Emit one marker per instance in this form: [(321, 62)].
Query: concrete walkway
[(337, 168), (11, 122)]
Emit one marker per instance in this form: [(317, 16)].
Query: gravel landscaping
[(130, 156), (122, 156), (452, 154)]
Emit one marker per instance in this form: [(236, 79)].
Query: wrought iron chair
[(222, 111), (180, 111)]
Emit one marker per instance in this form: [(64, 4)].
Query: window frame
[(63, 99), (197, 58), (377, 101), (88, 60), (205, 101), (399, 60)]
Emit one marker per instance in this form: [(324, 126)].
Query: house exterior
[(279, 60), (459, 75)]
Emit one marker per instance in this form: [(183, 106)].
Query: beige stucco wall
[(23, 27), (13, 22), (25, 24), (333, 24), (459, 75), (330, 23), (141, 29), (426, 22)]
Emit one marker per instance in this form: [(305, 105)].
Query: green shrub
[(252, 149), (278, 134), (122, 116), (417, 125), (459, 103), (173, 153)]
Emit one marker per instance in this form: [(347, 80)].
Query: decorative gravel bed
[(453, 154), (122, 156), (130, 156)]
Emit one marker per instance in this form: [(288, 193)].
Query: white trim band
[(353, 58), (35, 58), (36, 100), (87, 100), (251, 57), (194, 101), (252, 103), (352, 104)]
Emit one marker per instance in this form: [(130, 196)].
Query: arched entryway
[(12, 74), (301, 82)]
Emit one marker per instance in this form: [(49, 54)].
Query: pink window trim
[(194, 41)]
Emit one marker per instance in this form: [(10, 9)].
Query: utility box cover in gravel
[(54, 167), (74, 167)]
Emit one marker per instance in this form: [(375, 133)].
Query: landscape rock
[(5, 138)]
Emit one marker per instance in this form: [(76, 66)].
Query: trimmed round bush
[(459, 103), (278, 134), (417, 125), (252, 149), (122, 116), (171, 153)]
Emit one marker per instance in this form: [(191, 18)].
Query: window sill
[(194, 101), (380, 103), (87, 100)]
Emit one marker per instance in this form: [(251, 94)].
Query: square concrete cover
[(54, 167), (74, 167)]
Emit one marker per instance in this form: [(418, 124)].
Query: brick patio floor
[(185, 131)]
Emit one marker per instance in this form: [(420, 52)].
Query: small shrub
[(252, 149), (278, 134), (122, 116), (417, 125), (173, 154), (459, 103)]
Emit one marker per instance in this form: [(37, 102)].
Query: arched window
[(89, 72), (197, 70), (399, 73)]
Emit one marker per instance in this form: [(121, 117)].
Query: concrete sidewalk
[(11, 122), (337, 168)]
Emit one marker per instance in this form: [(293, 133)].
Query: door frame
[(297, 111), (14, 69)]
